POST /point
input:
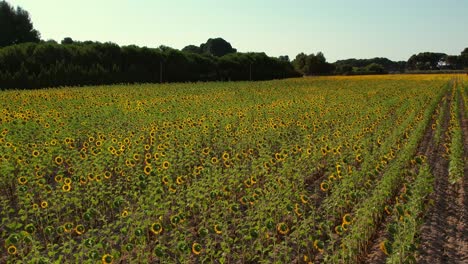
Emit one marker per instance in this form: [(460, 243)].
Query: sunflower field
[(286, 171)]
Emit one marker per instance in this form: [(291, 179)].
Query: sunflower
[(297, 210), (35, 153), (324, 186), (124, 213), (156, 228), (175, 220), (338, 168), (49, 230), (387, 210), (218, 229), (58, 178), (130, 163), (244, 200), (379, 141), (83, 156), (107, 259), (66, 187), (386, 247), (165, 180), (22, 180), (347, 219), (196, 248), (107, 174), (91, 177), (248, 183), (68, 227), (319, 245), (379, 168), (345, 226), (225, 156), (282, 228), (129, 247), (58, 160), (214, 160), (182, 246), (30, 228), (44, 204), (79, 229), (165, 165), (83, 180), (179, 180), (359, 158), (253, 180), (339, 229), (323, 151), (278, 156), (205, 151), (147, 169), (304, 199), (12, 250), (197, 170), (227, 163)]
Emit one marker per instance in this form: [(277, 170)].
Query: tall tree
[(15, 26), (67, 40), (425, 61), (192, 49), (312, 64), (464, 57), (217, 47)]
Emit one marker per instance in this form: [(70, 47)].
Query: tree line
[(35, 65), (27, 62)]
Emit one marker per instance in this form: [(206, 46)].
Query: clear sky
[(395, 29)]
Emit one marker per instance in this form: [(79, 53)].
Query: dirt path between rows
[(373, 253), (443, 235)]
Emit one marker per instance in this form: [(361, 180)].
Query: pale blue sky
[(395, 29)]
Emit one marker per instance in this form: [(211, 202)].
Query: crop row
[(209, 172)]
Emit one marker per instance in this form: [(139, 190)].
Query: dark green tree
[(192, 49), (464, 57), (375, 68), (284, 58), (425, 61), (15, 26), (67, 40), (389, 66), (299, 63), (312, 64), (344, 69), (217, 47)]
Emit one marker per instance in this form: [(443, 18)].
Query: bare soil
[(444, 235), (373, 253)]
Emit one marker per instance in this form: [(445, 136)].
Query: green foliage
[(15, 26), (217, 47), (464, 57), (425, 61), (40, 65), (456, 153), (346, 66), (312, 64)]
